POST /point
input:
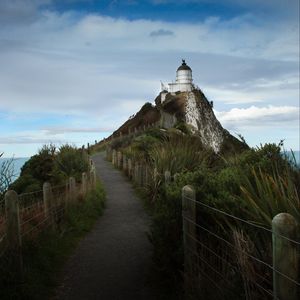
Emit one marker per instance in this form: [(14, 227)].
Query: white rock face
[(199, 114), (192, 114)]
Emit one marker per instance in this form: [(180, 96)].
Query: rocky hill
[(191, 110)]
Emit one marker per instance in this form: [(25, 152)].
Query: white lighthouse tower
[(184, 80)]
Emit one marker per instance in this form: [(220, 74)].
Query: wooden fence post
[(167, 177), (108, 153), (119, 159), (83, 184), (285, 257), (13, 231), (94, 178), (114, 157), (189, 227), (48, 203)]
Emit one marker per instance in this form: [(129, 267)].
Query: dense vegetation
[(253, 184), (51, 164), (45, 253), (44, 257)]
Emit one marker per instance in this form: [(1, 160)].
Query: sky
[(73, 71)]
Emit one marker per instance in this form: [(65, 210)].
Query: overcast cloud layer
[(75, 76)]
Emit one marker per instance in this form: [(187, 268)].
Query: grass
[(44, 257)]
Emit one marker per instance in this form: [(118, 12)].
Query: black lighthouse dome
[(184, 66)]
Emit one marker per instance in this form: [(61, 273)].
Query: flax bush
[(179, 153), (254, 185)]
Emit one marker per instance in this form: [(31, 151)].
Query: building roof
[(184, 66)]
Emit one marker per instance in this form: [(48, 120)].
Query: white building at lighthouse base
[(183, 83)]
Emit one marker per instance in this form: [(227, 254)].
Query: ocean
[(296, 154), (20, 161), (17, 164)]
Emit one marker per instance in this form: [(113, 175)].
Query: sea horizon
[(19, 162)]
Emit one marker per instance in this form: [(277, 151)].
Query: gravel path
[(114, 260)]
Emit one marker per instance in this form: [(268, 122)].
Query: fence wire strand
[(241, 220), (244, 252)]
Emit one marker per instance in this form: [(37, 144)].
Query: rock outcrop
[(193, 110)]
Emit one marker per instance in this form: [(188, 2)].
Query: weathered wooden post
[(285, 257), (114, 157), (49, 206), (13, 231), (119, 159), (83, 184), (91, 163), (189, 228), (167, 177), (93, 178)]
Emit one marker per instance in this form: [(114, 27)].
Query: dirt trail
[(114, 260)]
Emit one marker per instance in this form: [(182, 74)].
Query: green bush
[(70, 162), (52, 165), (254, 185), (179, 153)]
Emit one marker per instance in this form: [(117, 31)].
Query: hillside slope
[(191, 110)]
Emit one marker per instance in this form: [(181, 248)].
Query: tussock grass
[(179, 153)]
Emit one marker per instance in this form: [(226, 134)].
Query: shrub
[(179, 153), (70, 161), (53, 165)]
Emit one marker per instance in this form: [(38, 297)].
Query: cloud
[(48, 65), (100, 70), (29, 140), (161, 32), (259, 117), (20, 11), (60, 130)]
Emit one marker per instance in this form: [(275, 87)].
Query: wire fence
[(226, 256), (23, 217), (237, 257)]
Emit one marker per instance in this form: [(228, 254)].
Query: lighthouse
[(183, 82)]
